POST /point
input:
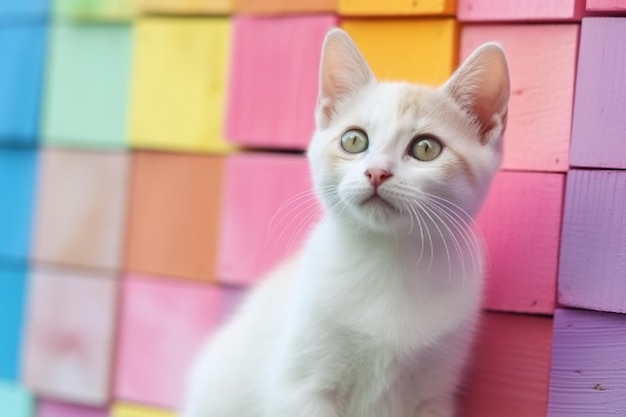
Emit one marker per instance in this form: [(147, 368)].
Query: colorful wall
[(148, 153)]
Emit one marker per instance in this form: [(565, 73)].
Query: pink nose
[(377, 176)]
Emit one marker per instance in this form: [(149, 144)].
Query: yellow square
[(416, 50), (179, 83), (396, 7), (186, 6), (130, 410)]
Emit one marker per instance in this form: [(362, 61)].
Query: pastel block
[(95, 10), (542, 65), (588, 375), (510, 370), (174, 318), (48, 408), (174, 215), (598, 133), (277, 7), (396, 7), (18, 171), (273, 82), (592, 266), (22, 48), (69, 337), (254, 241), (417, 50), (230, 300), (81, 208), (13, 288), (87, 86), (606, 5), (29, 9), (511, 10), (521, 223), (179, 78), (132, 410), (186, 7), (15, 400)]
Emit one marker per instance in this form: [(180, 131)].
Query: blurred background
[(152, 154)]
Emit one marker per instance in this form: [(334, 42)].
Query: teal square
[(15, 401), (13, 290), (87, 86)]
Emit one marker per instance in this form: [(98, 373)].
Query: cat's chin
[(378, 215)]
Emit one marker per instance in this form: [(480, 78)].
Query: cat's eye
[(425, 148), (354, 141)]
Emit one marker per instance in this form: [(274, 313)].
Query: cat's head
[(385, 153)]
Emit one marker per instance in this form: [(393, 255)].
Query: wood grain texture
[(15, 400), (47, 408), (273, 81), (13, 288), (81, 208), (588, 372), (542, 65), (396, 7), (278, 7), (186, 7), (162, 327), (254, 241), (509, 373), (389, 46), (69, 337), (593, 266), (606, 5), (521, 223), (133, 410), (599, 128), (513, 10), (173, 223)]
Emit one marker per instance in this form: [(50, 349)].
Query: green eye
[(354, 141), (425, 148)]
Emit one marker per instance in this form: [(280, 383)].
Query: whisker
[(445, 244)]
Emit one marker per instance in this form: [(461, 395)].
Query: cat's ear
[(343, 72), (481, 86)]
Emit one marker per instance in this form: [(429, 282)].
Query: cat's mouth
[(376, 200)]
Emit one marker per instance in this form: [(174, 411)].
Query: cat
[(375, 315)]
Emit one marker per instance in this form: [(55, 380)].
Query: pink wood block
[(592, 271), (542, 62), (509, 373), (266, 214), (48, 408), (521, 222), (81, 208), (606, 5), (515, 10), (163, 324), (69, 337), (273, 80), (599, 128)]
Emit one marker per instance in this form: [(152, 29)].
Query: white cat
[(375, 316)]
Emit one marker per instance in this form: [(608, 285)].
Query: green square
[(87, 86), (15, 401)]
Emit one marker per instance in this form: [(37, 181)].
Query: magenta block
[(599, 128), (521, 222), (273, 80), (515, 10), (163, 325), (592, 272), (55, 409), (267, 208), (588, 375), (606, 6)]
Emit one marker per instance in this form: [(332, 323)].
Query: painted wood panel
[(396, 7), (47, 408), (13, 288), (606, 5), (542, 64), (278, 7), (592, 266), (95, 10), (30, 9), (513, 10), (15, 400), (133, 410), (186, 7)]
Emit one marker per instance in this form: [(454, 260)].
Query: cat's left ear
[(481, 86)]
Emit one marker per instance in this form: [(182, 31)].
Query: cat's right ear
[(343, 72)]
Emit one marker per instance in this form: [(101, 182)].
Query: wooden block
[(600, 106), (396, 7), (17, 185), (593, 266), (254, 241), (69, 337), (542, 64), (389, 46), (273, 80), (174, 215), (98, 10), (179, 78), (509, 373), (606, 5), (132, 410), (87, 86), (13, 284), (174, 318), (277, 7), (588, 375), (521, 222), (22, 48), (186, 7), (24, 9), (48, 408), (81, 208), (511, 10), (15, 400)]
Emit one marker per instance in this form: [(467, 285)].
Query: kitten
[(375, 316)]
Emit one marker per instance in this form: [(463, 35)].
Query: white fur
[(375, 316)]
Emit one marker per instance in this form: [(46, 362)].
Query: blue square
[(22, 48), (18, 169), (17, 9), (13, 288)]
